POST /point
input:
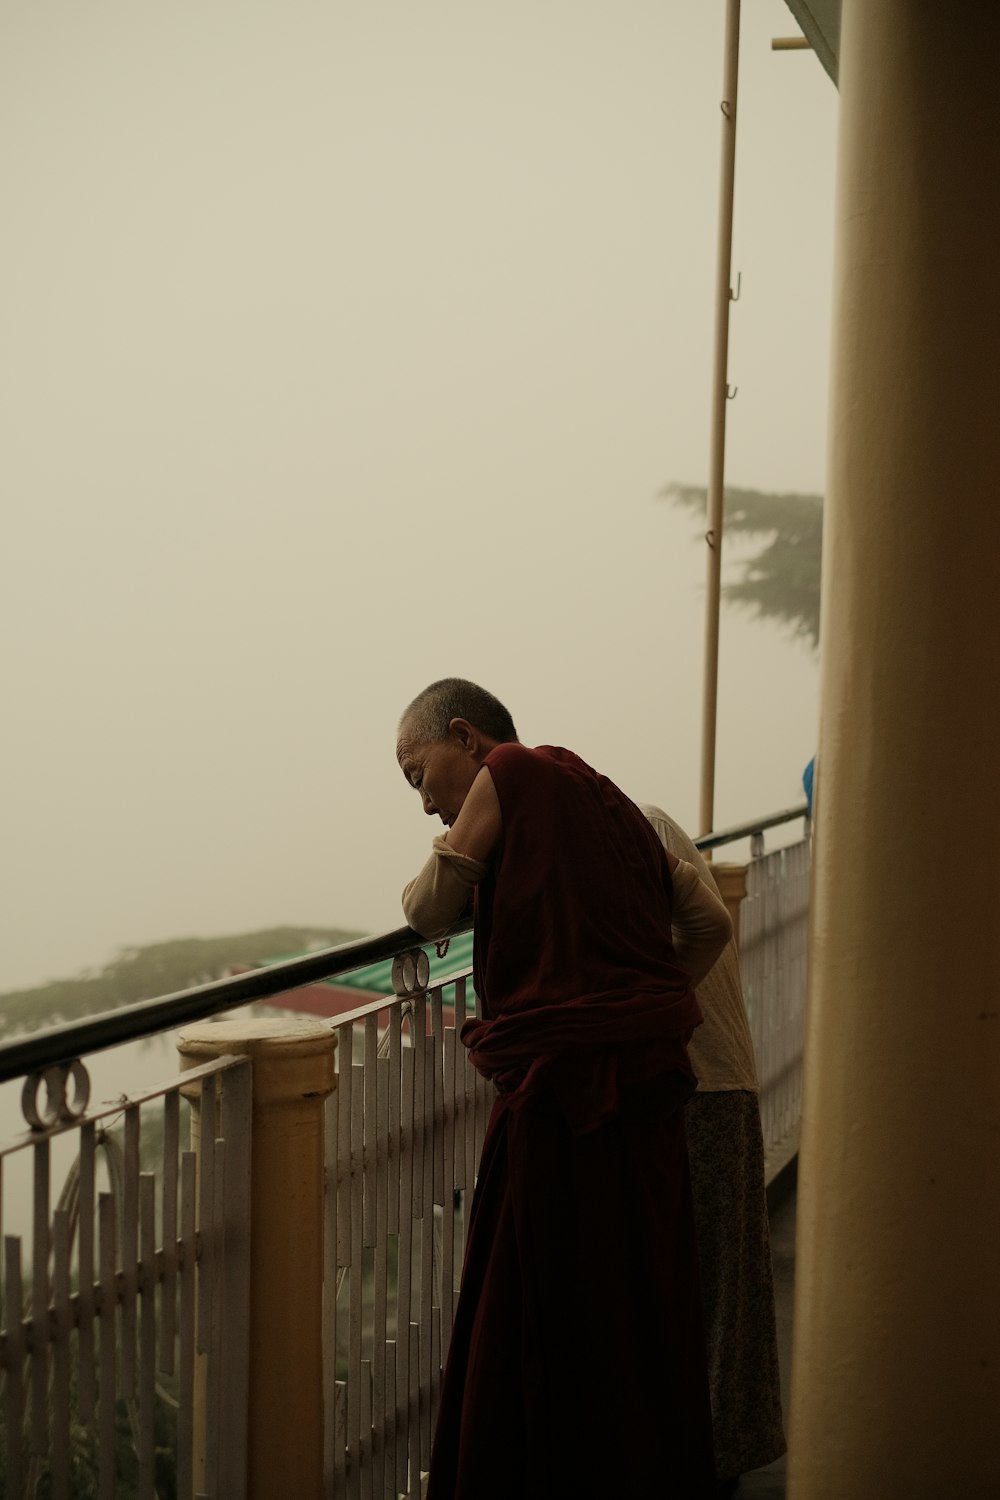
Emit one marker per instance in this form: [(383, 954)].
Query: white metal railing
[(128, 1294), (773, 929), (127, 1304), (404, 1132)]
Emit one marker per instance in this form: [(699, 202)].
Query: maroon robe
[(577, 1365)]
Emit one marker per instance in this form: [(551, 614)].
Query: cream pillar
[(293, 1071), (896, 1370)]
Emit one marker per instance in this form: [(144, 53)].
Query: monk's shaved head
[(427, 718)]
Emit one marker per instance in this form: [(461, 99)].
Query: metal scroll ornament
[(411, 973), (63, 1104)]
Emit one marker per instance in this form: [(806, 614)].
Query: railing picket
[(448, 1211), (206, 1205), (404, 1280), (419, 1177), (394, 1075), (331, 1204), (39, 1361), (168, 1289), (434, 1393), (427, 1234), (107, 1427), (340, 1440), (233, 1351), (426, 1322), (87, 1383), (394, 1169), (356, 1286), (370, 1074), (390, 1486), (61, 1324), (436, 998), (216, 1330), (381, 1186), (413, 1476), (460, 993), (459, 1148), (185, 1373), (128, 1251), (147, 1336), (13, 1393), (345, 1147), (365, 1465), (418, 1034)]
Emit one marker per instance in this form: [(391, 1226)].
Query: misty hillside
[(158, 969)]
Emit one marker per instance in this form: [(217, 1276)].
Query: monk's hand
[(440, 894)]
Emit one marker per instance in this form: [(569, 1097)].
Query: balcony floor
[(769, 1483)]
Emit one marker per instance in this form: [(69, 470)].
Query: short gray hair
[(427, 718)]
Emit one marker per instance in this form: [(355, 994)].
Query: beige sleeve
[(700, 923), (434, 901)]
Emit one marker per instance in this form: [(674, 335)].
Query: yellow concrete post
[(293, 1072), (896, 1368), (731, 880)]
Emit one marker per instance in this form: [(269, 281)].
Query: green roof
[(376, 979)]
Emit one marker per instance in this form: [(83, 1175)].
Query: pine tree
[(781, 580)]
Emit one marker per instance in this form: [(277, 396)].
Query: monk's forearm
[(701, 925), (440, 894)]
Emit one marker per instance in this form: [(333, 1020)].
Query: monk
[(577, 1364)]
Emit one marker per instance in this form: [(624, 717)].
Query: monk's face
[(442, 771)]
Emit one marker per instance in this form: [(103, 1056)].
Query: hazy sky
[(345, 346)]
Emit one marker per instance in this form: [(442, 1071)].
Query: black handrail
[(72, 1039), (58, 1044)]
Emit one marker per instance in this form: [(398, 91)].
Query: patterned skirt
[(726, 1150)]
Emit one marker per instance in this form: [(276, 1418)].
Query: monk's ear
[(465, 734)]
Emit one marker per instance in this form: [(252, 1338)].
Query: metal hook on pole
[(731, 392), (726, 108), (735, 296)]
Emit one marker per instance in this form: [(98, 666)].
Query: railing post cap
[(215, 1038), (731, 878), (291, 1058)]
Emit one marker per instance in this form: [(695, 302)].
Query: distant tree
[(157, 969), (781, 580)]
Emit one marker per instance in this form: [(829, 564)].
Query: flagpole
[(720, 394)]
